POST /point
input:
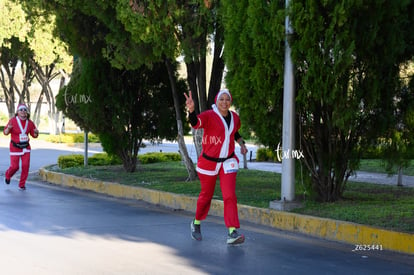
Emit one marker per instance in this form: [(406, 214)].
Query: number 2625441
[(367, 247)]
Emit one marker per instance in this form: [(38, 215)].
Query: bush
[(373, 152), (102, 159), (70, 161), (158, 157), (266, 154)]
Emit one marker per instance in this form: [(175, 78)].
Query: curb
[(362, 237)]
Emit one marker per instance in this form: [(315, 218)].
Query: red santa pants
[(228, 190), (14, 166)]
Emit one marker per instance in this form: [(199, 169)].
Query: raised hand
[(243, 149), (189, 102), (7, 129)]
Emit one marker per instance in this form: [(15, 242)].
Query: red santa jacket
[(218, 140), (20, 134)]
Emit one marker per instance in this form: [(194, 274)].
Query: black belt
[(217, 159), (20, 145)]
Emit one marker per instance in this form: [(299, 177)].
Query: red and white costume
[(218, 139), (218, 145), (20, 131)]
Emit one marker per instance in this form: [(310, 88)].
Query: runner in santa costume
[(217, 159), (20, 126)]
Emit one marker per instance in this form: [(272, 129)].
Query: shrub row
[(266, 154), (72, 138), (158, 157), (102, 159)]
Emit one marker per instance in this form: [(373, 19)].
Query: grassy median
[(388, 207)]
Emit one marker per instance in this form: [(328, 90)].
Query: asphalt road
[(53, 230)]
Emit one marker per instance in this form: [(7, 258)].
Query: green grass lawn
[(388, 207)]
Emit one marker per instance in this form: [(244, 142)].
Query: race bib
[(23, 138), (230, 166)]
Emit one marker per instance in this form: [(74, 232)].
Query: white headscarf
[(222, 91)]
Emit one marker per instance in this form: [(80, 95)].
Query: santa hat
[(22, 106), (223, 91)]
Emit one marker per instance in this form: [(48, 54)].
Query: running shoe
[(235, 238), (195, 231)]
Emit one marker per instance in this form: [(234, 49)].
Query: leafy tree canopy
[(254, 38), (115, 72), (122, 107), (12, 12), (347, 58)]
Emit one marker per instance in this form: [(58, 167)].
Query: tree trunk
[(202, 83), (198, 140), (196, 76), (192, 175), (8, 89), (44, 76), (217, 68), (400, 177), (36, 113), (60, 123), (129, 163), (192, 82), (28, 75), (327, 159), (53, 123)]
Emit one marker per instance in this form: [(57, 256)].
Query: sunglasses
[(22, 110)]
